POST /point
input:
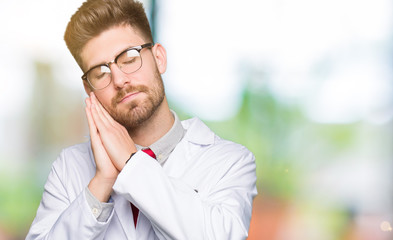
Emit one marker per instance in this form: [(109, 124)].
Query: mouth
[(128, 97)]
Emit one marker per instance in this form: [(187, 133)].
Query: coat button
[(95, 211)]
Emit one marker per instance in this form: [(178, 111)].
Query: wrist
[(101, 187), (132, 154)]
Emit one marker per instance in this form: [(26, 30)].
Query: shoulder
[(232, 148), (77, 149), (217, 159), (71, 171), (200, 134), (76, 158), (233, 155), (77, 152)]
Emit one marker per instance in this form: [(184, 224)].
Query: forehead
[(106, 46)]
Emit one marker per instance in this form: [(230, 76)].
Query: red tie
[(135, 211)]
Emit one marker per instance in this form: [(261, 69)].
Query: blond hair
[(96, 16)]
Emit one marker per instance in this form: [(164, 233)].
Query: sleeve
[(59, 217), (100, 210), (177, 211)]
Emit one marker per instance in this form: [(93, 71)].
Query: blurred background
[(306, 85)]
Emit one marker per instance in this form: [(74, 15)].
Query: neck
[(155, 127)]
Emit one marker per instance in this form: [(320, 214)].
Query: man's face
[(130, 99)]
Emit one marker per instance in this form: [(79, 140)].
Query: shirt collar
[(163, 147)]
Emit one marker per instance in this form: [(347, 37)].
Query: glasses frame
[(137, 48)]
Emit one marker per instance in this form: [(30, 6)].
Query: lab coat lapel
[(143, 228), (124, 214), (176, 162), (188, 149)]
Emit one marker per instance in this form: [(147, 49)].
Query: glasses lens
[(99, 77), (130, 61)]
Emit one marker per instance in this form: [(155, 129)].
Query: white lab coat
[(204, 191)]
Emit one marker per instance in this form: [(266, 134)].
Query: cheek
[(105, 98), (148, 71)]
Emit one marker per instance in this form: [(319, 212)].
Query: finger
[(99, 118), (88, 112), (90, 115), (88, 102), (90, 121), (108, 117), (99, 113), (94, 137)]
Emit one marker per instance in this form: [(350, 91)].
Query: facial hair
[(138, 111)]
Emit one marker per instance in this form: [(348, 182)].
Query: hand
[(114, 137), (106, 173)]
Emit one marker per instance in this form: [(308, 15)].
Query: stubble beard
[(138, 111)]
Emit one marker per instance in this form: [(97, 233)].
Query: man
[(144, 174)]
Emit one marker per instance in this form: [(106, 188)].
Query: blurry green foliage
[(20, 195), (263, 126), (284, 141)]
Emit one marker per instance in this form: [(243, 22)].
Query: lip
[(128, 97)]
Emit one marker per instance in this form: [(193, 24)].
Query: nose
[(119, 78)]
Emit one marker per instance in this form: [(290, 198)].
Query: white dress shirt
[(204, 191)]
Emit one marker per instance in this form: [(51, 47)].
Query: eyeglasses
[(128, 61)]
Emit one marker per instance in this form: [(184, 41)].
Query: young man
[(144, 174)]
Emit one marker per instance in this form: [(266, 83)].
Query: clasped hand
[(110, 141)]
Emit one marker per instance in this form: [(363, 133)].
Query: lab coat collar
[(198, 132)]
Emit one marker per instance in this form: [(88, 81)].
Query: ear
[(159, 54), (87, 87)]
